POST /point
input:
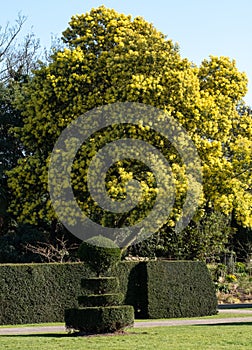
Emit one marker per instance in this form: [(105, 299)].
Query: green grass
[(200, 337), (218, 337)]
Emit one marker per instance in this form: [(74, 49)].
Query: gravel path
[(173, 322)]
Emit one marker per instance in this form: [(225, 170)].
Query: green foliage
[(100, 285), (180, 289), (217, 271), (241, 243), (203, 239), (100, 253), (11, 149), (183, 286), (25, 243), (100, 319), (103, 312), (101, 299), (110, 57), (134, 284), (100, 313), (230, 278), (16, 63), (13, 242), (38, 293), (207, 238), (240, 267), (232, 287)]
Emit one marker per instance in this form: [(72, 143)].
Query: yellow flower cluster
[(111, 57)]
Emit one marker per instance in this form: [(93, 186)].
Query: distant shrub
[(240, 267), (222, 287), (231, 278)]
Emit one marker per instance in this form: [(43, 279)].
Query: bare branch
[(9, 34), (53, 253), (17, 60)]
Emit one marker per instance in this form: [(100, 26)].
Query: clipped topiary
[(95, 320), (100, 285), (100, 253), (100, 309), (111, 299)]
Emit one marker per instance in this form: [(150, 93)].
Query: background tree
[(16, 62), (11, 149), (111, 57), (17, 59), (204, 239)]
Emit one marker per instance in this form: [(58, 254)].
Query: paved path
[(194, 322), (235, 311), (173, 322)]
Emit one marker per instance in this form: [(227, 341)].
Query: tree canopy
[(110, 57), (16, 62)]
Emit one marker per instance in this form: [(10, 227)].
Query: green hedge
[(35, 293), (180, 289), (133, 284)]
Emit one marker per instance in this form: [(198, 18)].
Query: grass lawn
[(201, 337), (236, 336)]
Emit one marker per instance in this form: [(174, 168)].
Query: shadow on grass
[(70, 335), (224, 324), (44, 335)]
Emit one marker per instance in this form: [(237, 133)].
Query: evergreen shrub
[(100, 319), (100, 253), (99, 285), (101, 299)]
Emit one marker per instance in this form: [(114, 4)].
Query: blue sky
[(201, 28)]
